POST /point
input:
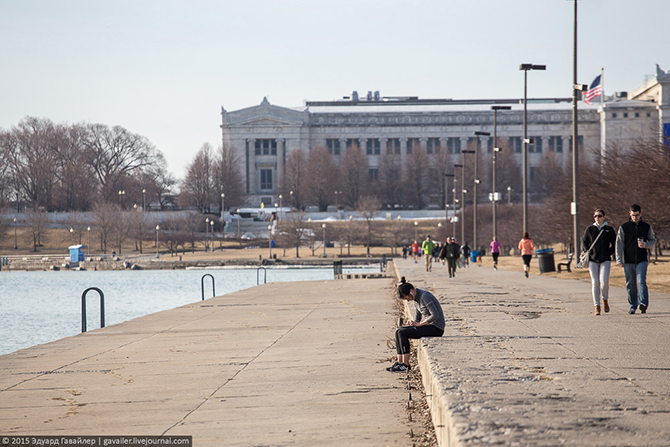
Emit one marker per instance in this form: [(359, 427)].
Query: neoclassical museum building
[(263, 135)]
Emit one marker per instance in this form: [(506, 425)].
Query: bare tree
[(228, 178), (322, 175), (417, 177), (353, 175), (390, 180), (368, 207), (30, 150), (114, 154), (294, 181), (293, 232), (120, 229), (38, 222), (105, 214), (76, 185), (198, 186)]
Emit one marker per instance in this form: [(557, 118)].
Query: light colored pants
[(429, 261), (600, 280)]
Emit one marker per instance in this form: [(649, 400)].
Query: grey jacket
[(428, 308)]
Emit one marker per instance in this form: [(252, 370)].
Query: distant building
[(263, 135)]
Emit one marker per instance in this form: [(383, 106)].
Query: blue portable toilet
[(77, 253)]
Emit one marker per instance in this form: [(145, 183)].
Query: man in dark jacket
[(634, 240), (452, 253)]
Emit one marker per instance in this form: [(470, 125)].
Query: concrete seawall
[(525, 362)]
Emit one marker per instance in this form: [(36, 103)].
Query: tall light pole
[(206, 234), (16, 247), (324, 239), (509, 195), (494, 188), (462, 166), (223, 198), (525, 68), (446, 197), (71, 236), (211, 234), (121, 194), (280, 212), (88, 230), (463, 192), (238, 223), (157, 228), (144, 199), (474, 212), (416, 234), (575, 145)]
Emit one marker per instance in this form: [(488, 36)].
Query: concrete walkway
[(523, 362), (283, 363)]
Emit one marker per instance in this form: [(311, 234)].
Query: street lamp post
[(121, 194), (463, 191), (238, 223), (575, 144), (157, 228), (496, 149), (446, 196), (525, 68), (474, 199), (16, 247), (324, 239), (71, 236), (281, 215), (88, 230), (144, 199), (211, 234), (509, 195), (206, 234), (223, 197)]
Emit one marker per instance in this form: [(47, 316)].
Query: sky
[(164, 68)]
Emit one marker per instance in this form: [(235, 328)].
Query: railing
[(83, 308), (265, 275), (202, 286)]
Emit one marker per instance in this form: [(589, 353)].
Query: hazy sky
[(164, 68)]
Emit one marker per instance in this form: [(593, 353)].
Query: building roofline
[(414, 100)]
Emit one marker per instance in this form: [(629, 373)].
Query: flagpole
[(602, 86)]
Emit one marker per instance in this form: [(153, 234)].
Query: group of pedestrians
[(629, 246)]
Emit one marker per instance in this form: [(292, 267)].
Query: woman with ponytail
[(427, 321)]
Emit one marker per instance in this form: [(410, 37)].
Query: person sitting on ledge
[(428, 321)]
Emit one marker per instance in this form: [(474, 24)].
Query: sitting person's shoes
[(398, 368), (643, 309)]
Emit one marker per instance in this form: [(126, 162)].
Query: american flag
[(594, 90)]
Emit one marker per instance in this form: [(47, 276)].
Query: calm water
[(39, 307)]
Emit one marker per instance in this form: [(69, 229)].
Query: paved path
[(524, 362), (279, 364)]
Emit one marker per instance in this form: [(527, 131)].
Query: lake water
[(39, 307)]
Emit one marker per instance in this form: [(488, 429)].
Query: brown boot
[(606, 306), (597, 312)]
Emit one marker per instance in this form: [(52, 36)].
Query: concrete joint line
[(216, 390)]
